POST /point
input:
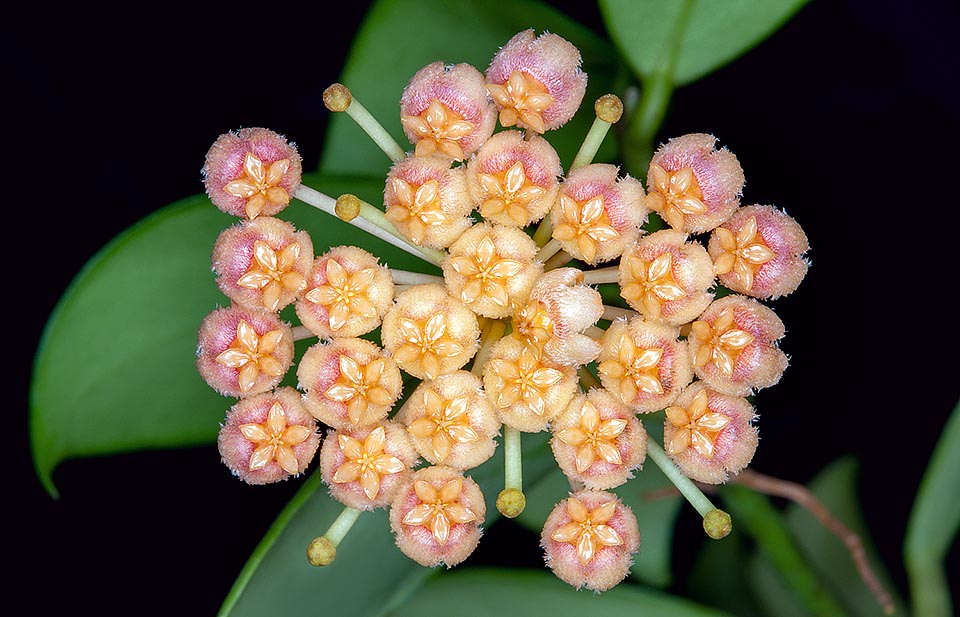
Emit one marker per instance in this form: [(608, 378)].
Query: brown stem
[(800, 495)]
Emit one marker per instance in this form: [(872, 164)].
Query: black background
[(847, 117)]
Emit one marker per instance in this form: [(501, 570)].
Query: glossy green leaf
[(656, 513), (481, 592), (399, 37), (933, 524), (370, 575), (713, 32), (115, 369), (717, 578), (836, 487)]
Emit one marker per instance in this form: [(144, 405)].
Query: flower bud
[(428, 202), (348, 382), (243, 351), (759, 252), (692, 185), (429, 332), (513, 179), (589, 540), (262, 263), (536, 81), (366, 466), (268, 437), (598, 441), (598, 215), (451, 421), (445, 109), (560, 308), (491, 268), (708, 434), (251, 172), (437, 516), (644, 363), (666, 278), (346, 293), (525, 386), (733, 346)]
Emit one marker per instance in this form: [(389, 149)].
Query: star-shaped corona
[(720, 342), (439, 509), (272, 272), (697, 427), (584, 224), (344, 295), (743, 253), (253, 354), (366, 461), (275, 440), (446, 423), (358, 386), (588, 530), (259, 185), (674, 194), (438, 129)]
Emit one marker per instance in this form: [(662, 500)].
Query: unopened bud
[(717, 524), (337, 97), (321, 552), (348, 207), (511, 502), (609, 108)]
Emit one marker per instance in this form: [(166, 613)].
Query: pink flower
[(536, 81)]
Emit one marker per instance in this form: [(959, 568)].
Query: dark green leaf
[(715, 32), (824, 552), (717, 578), (933, 524), (481, 592), (384, 58), (836, 487), (115, 368), (370, 575), (753, 512), (656, 515)]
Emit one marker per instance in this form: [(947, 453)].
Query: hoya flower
[(262, 263), (251, 172), (710, 435), (598, 440), (514, 179), (451, 421), (665, 277), (536, 81), (733, 346), (692, 185), (526, 387), (436, 517), (445, 109), (348, 382), (560, 308), (597, 214), (268, 437), (644, 363), (429, 332), (589, 540), (491, 268), (346, 293), (759, 252), (365, 467), (427, 201), (243, 351)]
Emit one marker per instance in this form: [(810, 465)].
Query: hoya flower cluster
[(503, 340)]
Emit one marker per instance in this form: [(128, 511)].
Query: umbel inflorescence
[(498, 215)]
